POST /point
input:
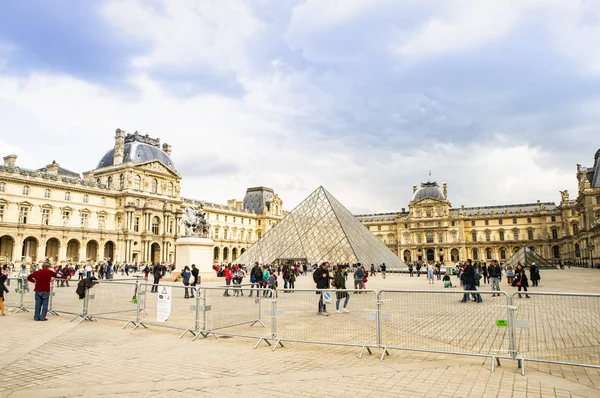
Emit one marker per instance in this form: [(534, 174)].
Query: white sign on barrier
[(327, 297), (164, 303)]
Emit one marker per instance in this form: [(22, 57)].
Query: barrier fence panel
[(560, 328), (165, 305), (238, 311), (113, 300), (298, 317), (437, 321), (20, 296), (64, 300)]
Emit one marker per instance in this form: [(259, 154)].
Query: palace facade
[(127, 209), (432, 230)]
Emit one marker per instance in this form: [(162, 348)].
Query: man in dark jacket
[(195, 273), (321, 278), (494, 273), (469, 281), (157, 272)]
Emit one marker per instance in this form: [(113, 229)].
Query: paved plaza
[(60, 358)]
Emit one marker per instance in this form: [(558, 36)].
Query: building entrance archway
[(155, 253), (52, 250), (29, 252), (73, 250), (430, 254), (407, 256), (7, 246), (454, 255), (91, 251), (109, 250)]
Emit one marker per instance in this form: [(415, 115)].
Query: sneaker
[(345, 310), (325, 313), (338, 311)]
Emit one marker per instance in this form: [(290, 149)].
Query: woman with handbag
[(521, 280)]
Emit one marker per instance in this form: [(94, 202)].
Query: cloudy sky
[(499, 98)]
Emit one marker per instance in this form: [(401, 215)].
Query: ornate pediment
[(157, 167)]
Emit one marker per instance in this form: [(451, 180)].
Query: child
[(447, 281), (272, 283)]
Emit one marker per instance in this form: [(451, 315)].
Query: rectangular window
[(487, 222), (171, 227), (514, 220), (67, 196), (530, 234), (136, 224), (1, 213), (2, 187), (555, 233), (234, 220), (47, 194), (23, 214), (66, 216), (101, 221), (529, 221), (441, 237), (553, 218), (225, 218), (500, 221), (516, 235), (501, 235), (488, 236), (84, 220), (45, 216), (472, 223)]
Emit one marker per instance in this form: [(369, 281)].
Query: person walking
[(534, 274), (359, 275), (383, 269), (194, 272), (292, 281), (410, 270), (228, 277), (469, 280), (42, 279), (157, 273), (321, 278), (521, 280), (3, 289), (286, 277), (494, 272), (339, 281), (430, 276), (373, 273), (255, 279), (419, 270), (186, 275), (484, 272)]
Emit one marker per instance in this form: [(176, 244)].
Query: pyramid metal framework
[(320, 229), (526, 257)]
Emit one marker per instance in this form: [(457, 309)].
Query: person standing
[(339, 280), (88, 271), (42, 279), (359, 275), (157, 273), (484, 272), (534, 274), (383, 269), (410, 269), (228, 277), (286, 277), (510, 274), (185, 275), (321, 278), (469, 281), (255, 279), (3, 289), (194, 273), (372, 269), (292, 281), (419, 269), (521, 280), (430, 276), (494, 272)]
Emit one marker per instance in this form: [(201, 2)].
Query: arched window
[(86, 198), (47, 194), (67, 195), (137, 183), (170, 189), (155, 224), (530, 234), (575, 229), (488, 253), (502, 253), (225, 254), (110, 182), (154, 187), (26, 190), (122, 181), (474, 236)]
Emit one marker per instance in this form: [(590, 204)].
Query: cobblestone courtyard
[(66, 359)]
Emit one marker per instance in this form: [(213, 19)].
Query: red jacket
[(42, 279), (227, 273)]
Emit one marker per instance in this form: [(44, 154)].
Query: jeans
[(357, 284), (337, 302), (155, 285), (476, 297), (495, 284), (285, 283), (292, 285), (257, 284), (41, 305), (187, 290), (322, 305), (227, 282)]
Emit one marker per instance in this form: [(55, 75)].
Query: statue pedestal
[(197, 251)]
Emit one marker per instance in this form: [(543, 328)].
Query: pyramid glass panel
[(526, 257), (320, 229)]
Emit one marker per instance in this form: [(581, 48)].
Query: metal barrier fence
[(556, 328), (427, 321), (560, 328), (20, 296)]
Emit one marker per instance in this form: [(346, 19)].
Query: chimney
[(445, 186), (167, 149), (119, 147), (403, 210), (414, 188), (52, 168), (10, 161)]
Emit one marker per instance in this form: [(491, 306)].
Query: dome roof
[(428, 190), (138, 152)]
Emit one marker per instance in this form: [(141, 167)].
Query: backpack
[(359, 273), (315, 279)]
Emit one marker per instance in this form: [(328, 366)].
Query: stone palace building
[(432, 230), (127, 209)]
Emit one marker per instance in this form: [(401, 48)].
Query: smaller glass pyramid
[(526, 257), (320, 229)]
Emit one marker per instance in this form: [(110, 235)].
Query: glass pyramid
[(526, 257), (320, 229)]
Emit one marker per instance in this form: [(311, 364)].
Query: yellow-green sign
[(501, 323)]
